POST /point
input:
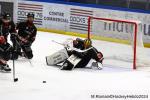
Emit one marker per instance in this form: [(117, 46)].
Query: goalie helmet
[(87, 43)]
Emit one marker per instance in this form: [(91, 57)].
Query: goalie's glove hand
[(100, 57), (101, 60)]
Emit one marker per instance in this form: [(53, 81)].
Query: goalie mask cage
[(129, 30)]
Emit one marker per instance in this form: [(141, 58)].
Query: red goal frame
[(121, 21)]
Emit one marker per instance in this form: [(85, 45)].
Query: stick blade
[(16, 79)]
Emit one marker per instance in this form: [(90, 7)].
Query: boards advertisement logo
[(120, 27), (25, 8), (79, 19), (56, 16)]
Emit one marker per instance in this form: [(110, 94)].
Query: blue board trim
[(95, 6)]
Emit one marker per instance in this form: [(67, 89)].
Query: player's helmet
[(87, 43), (6, 16), (30, 15)]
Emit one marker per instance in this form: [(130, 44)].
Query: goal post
[(133, 29)]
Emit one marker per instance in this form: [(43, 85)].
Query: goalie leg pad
[(57, 57)]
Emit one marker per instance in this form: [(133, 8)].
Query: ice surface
[(78, 84)]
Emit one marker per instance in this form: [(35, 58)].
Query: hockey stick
[(65, 46), (14, 74), (14, 78), (58, 42), (73, 48)]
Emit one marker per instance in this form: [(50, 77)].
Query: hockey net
[(129, 32)]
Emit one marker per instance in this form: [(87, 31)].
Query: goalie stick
[(73, 48), (58, 42), (65, 46)]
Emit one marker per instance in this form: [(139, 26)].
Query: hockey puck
[(44, 81)]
